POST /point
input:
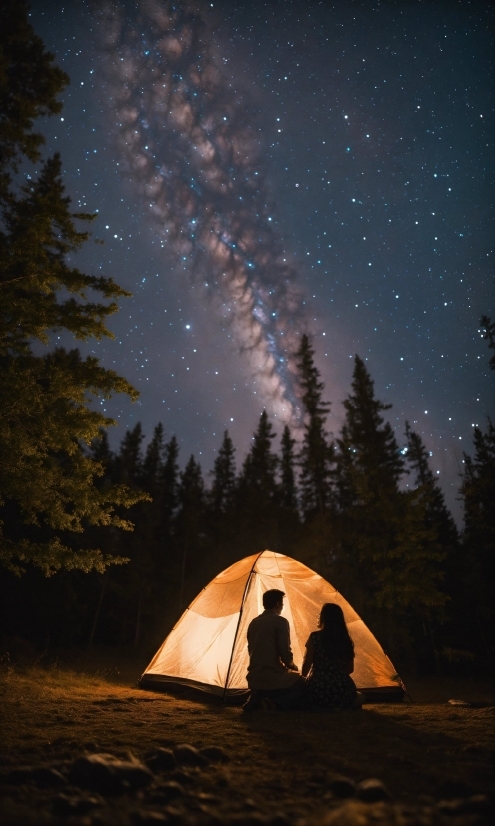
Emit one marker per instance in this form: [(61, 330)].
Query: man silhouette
[(272, 676)]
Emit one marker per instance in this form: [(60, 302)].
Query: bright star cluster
[(263, 169)]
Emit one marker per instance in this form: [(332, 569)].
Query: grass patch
[(422, 751)]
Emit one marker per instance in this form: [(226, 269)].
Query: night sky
[(266, 169)]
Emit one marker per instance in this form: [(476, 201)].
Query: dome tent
[(207, 648)]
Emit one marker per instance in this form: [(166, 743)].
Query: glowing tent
[(207, 648)]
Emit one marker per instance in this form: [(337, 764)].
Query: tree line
[(366, 514), (102, 546)]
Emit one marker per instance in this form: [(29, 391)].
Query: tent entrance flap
[(244, 595), (207, 648)]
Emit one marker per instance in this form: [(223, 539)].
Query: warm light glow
[(199, 648)]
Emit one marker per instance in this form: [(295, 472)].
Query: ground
[(434, 759)]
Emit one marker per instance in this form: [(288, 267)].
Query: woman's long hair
[(335, 636)]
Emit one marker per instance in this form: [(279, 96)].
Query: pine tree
[(166, 577), (369, 458), (478, 537), (45, 418), (288, 488), (441, 564), (438, 515), (367, 475), (388, 557), (478, 496), (258, 476), (101, 452), (29, 86), (130, 459), (316, 456), (149, 525), (488, 331), (153, 462), (190, 522), (170, 483), (256, 514), (223, 487)]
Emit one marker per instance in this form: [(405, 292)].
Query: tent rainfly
[(207, 648)]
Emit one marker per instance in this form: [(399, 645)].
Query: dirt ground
[(278, 768)]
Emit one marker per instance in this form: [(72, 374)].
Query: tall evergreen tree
[(438, 515), (388, 558), (45, 418), (153, 462), (130, 458), (101, 452), (488, 329), (316, 456), (257, 493), (29, 86), (370, 464), (149, 525), (478, 496), (131, 586), (190, 523), (170, 482), (442, 565), (288, 487), (223, 485), (258, 476)]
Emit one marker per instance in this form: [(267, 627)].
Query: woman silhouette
[(328, 662)]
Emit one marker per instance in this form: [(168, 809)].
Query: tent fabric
[(207, 648)]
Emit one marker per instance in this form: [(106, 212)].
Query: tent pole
[(238, 626)]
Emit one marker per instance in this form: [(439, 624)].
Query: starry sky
[(264, 169)]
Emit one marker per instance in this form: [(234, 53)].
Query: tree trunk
[(98, 609), (138, 618), (183, 576), (434, 648)]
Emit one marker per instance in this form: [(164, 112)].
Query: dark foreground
[(418, 764)]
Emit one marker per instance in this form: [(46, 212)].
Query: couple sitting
[(273, 677)]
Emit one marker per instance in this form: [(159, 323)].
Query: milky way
[(194, 152), (371, 125)]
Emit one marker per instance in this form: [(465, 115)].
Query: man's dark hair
[(272, 598)]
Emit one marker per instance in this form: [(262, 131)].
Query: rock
[(66, 805), (167, 791), (161, 760), (474, 748), (342, 787), (454, 789), (477, 804), (207, 797), (176, 817), (90, 745), (182, 777), (43, 776), (215, 754), (187, 755), (141, 817), (371, 790), (107, 774), (7, 760), (248, 819), (357, 813)]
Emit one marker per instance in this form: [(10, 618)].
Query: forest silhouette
[(368, 516), (109, 547)]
